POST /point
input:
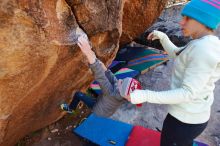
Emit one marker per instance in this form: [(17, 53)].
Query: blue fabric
[(104, 131), (132, 74), (114, 63), (196, 143), (79, 96), (96, 91), (207, 12), (117, 65)]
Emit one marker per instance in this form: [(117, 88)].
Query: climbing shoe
[(65, 107)]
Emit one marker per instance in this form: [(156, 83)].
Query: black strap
[(178, 53)]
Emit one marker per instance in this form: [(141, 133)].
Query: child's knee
[(79, 94)]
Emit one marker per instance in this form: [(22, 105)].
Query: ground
[(59, 133)]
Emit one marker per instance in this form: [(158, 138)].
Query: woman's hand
[(128, 98), (86, 48), (156, 35)]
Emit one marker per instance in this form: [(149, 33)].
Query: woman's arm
[(169, 47), (199, 69)]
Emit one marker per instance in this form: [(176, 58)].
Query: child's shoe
[(66, 108)]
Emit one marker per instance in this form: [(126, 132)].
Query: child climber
[(113, 90)]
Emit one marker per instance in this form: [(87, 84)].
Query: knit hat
[(128, 85), (207, 12)]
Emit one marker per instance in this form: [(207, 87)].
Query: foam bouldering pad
[(117, 65), (145, 63), (126, 72), (104, 131), (130, 53), (141, 136), (141, 59), (196, 143)]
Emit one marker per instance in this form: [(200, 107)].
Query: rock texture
[(40, 64), (138, 16)]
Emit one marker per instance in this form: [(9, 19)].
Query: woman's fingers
[(150, 36), (155, 35), (154, 38)]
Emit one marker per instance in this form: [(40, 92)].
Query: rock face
[(138, 16), (40, 63)]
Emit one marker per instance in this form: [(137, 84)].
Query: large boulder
[(40, 63), (138, 16)]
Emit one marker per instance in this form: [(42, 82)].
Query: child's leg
[(79, 96)]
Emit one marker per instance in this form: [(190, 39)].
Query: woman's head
[(206, 13)]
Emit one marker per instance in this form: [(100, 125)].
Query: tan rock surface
[(138, 16), (40, 64)]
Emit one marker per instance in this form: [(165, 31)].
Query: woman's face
[(191, 27)]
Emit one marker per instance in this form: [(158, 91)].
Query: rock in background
[(40, 64), (139, 13), (152, 115), (168, 22)]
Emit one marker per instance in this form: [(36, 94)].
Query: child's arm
[(98, 68), (86, 49), (106, 80)]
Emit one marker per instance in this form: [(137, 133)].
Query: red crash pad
[(141, 136)]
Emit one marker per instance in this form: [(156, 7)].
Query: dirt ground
[(59, 133)]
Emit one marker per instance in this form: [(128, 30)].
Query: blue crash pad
[(104, 131)]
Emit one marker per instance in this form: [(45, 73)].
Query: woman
[(196, 69)]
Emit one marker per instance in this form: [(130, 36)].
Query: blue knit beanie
[(207, 12)]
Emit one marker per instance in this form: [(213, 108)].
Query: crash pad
[(104, 131), (145, 63), (141, 59), (126, 72), (108, 132), (141, 136), (117, 65)]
